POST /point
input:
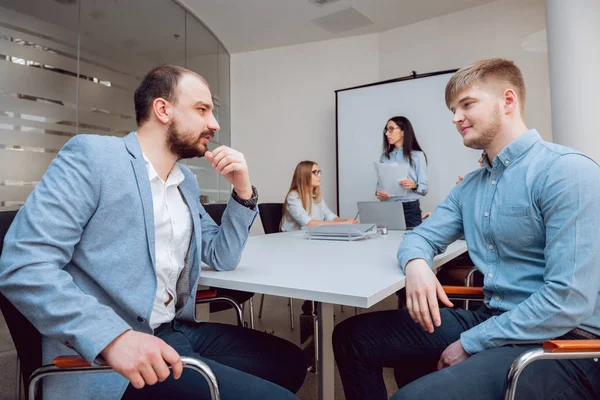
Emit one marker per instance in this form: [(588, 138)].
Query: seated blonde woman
[(304, 205)]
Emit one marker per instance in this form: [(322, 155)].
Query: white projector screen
[(362, 113)]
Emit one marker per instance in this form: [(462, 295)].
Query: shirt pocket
[(515, 225), (513, 210)]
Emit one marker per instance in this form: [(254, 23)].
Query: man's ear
[(511, 101), (162, 110)]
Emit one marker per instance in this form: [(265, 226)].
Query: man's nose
[(457, 117), (213, 125)]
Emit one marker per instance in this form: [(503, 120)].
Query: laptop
[(341, 232), (389, 213)]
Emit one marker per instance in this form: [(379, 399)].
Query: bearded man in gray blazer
[(105, 255)]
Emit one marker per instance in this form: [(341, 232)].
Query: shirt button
[(487, 214), (491, 247), (506, 162), (497, 298), (491, 275), (493, 182), (141, 319)]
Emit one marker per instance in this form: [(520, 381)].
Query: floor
[(275, 320)]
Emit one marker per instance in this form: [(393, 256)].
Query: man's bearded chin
[(183, 144)]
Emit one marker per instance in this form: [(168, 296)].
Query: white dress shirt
[(172, 233)]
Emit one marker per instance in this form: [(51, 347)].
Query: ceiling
[(246, 25)]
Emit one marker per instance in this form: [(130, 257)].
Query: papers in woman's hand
[(389, 176)]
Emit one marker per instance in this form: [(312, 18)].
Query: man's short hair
[(493, 68), (161, 82)]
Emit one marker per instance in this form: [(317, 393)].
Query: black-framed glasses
[(316, 172), (390, 129)]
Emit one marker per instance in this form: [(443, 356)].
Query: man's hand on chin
[(232, 165), (453, 355)]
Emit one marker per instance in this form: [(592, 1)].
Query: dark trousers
[(366, 343), (412, 213), (248, 364)]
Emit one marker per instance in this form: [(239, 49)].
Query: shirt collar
[(175, 176), (518, 146), (514, 149)]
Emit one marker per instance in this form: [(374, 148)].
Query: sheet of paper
[(389, 176)]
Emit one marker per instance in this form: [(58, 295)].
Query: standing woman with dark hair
[(400, 146)]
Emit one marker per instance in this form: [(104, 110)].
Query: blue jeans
[(364, 344), (248, 364)]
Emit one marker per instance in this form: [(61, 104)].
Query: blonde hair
[(301, 183), (497, 69)]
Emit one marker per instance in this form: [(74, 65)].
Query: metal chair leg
[(251, 313), (19, 380), (262, 302), (469, 282), (316, 335), (291, 313)]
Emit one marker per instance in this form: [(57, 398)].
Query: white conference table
[(359, 273)]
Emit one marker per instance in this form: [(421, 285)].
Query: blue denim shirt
[(531, 225), (418, 173)]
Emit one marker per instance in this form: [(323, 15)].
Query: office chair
[(270, 217), (550, 350), (239, 296), (28, 340)]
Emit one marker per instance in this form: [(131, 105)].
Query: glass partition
[(71, 66)]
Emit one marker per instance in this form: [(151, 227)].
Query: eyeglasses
[(390, 129), (316, 172)]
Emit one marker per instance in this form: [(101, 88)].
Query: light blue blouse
[(296, 216), (418, 173)]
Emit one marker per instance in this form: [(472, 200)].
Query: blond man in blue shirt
[(530, 219)]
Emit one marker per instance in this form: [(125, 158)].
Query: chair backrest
[(215, 211), (26, 338), (270, 216)]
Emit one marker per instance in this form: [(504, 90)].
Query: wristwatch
[(251, 202)]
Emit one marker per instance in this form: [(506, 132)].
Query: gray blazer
[(79, 261)]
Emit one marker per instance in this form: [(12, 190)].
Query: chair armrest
[(463, 290), (463, 293), (570, 346), (77, 365), (210, 296), (73, 362), (205, 294)]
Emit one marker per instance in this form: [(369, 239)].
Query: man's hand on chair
[(142, 358), (422, 292)]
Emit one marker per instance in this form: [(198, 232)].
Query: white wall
[(283, 101), (283, 108), (499, 29)]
